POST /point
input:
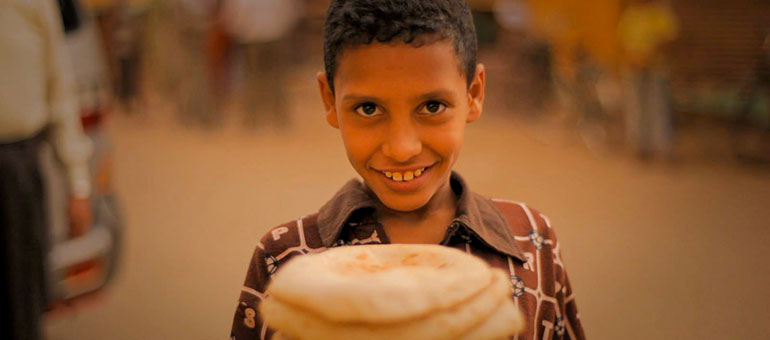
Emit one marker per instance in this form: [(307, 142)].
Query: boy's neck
[(427, 224)]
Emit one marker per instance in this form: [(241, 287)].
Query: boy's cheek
[(361, 135), (444, 140), (359, 145)]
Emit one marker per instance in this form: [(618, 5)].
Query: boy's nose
[(402, 142)]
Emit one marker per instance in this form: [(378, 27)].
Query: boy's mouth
[(405, 175)]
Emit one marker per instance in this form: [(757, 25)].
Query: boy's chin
[(404, 206), (402, 203)]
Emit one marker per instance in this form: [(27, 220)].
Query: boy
[(401, 82)]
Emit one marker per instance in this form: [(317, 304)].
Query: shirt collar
[(475, 212)]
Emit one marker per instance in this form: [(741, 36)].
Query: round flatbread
[(380, 283), (505, 322), (445, 324)]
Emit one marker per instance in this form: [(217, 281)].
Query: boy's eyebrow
[(433, 94), (421, 97), (359, 97)]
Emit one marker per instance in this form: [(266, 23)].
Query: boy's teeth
[(405, 176), (408, 175)]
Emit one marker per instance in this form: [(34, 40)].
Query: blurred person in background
[(193, 95), (126, 46), (260, 27), (752, 146), (37, 100), (173, 44), (122, 24), (218, 46), (644, 30)]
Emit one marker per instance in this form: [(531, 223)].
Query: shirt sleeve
[(66, 133), (248, 323), (568, 324)]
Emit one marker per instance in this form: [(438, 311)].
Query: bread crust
[(391, 283), (453, 323)]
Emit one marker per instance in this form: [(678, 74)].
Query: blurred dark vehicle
[(85, 264)]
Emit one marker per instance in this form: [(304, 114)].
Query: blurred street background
[(641, 128)]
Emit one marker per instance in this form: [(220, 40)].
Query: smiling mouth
[(405, 176)]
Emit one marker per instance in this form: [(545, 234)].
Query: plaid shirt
[(507, 235)]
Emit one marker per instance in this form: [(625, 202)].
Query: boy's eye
[(433, 107), (366, 109)]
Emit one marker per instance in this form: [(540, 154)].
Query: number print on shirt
[(249, 319)]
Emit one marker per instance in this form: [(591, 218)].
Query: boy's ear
[(476, 94), (327, 96)]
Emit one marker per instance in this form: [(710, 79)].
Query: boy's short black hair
[(351, 23)]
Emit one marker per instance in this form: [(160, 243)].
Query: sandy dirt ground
[(653, 250)]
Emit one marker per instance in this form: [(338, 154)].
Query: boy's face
[(402, 112)]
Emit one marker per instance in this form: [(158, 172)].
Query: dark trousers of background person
[(265, 86), (24, 239), (650, 118)]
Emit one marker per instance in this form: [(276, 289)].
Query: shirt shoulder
[(522, 218), (296, 237)]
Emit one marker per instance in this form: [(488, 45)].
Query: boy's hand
[(79, 216)]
